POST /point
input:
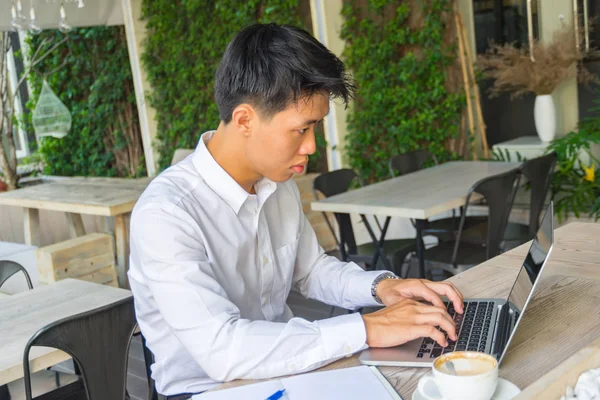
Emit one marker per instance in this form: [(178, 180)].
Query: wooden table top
[(24, 313), (95, 196), (421, 195), (562, 318)]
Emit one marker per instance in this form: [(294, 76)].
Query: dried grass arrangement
[(514, 71)]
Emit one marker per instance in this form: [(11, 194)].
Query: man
[(220, 239)]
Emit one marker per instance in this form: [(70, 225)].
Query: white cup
[(476, 377)]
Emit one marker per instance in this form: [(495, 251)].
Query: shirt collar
[(221, 182)]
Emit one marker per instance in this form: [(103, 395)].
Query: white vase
[(545, 117)]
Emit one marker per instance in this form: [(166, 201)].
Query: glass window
[(502, 21)]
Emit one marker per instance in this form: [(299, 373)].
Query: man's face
[(279, 147)]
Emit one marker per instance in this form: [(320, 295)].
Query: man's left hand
[(391, 291)]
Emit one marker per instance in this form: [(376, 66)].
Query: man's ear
[(243, 117)]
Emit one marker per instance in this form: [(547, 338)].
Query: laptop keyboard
[(472, 326)]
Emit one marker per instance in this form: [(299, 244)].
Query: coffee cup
[(461, 375)]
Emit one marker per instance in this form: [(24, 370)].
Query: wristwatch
[(381, 277)]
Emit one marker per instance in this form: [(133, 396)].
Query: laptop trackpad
[(405, 354)]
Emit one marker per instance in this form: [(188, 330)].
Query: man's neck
[(229, 154)]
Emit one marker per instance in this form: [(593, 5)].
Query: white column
[(327, 23), (136, 32)]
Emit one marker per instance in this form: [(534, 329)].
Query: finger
[(448, 290), (430, 332), (423, 291), (456, 289), (438, 319)]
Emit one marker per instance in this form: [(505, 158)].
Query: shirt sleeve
[(326, 278), (169, 251)]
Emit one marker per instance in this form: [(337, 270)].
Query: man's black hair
[(270, 66)]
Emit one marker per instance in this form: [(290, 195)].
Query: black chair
[(148, 361), (98, 341), (499, 192), (402, 164), (538, 172), (9, 268), (396, 251)]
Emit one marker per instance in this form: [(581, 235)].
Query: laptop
[(487, 325)]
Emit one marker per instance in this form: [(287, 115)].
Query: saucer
[(504, 391)]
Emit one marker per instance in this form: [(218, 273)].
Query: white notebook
[(356, 383)]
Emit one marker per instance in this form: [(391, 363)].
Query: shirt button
[(347, 349), (265, 260)]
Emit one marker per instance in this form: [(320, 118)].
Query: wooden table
[(564, 315), (418, 195), (23, 314), (109, 197)]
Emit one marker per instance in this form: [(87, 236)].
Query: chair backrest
[(406, 163), (9, 268), (499, 193), (539, 172), (330, 184), (148, 361), (98, 341), (180, 154)]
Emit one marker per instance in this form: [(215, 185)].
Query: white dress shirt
[(211, 269)]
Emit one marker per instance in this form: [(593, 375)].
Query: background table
[(563, 317), (419, 195), (109, 197), (23, 314)]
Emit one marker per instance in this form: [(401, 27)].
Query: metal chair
[(148, 361), (499, 193), (538, 172), (406, 163), (98, 341), (9, 268), (396, 250)]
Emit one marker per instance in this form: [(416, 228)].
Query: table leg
[(420, 225), (122, 244), (31, 219), (379, 250), (75, 223)]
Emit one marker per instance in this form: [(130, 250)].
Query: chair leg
[(4, 393)]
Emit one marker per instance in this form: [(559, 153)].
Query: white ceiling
[(95, 12)]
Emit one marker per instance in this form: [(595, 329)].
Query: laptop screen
[(530, 271)]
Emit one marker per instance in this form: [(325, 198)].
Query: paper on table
[(357, 383), (258, 391)]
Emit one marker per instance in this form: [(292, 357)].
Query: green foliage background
[(89, 73), (402, 101), (574, 194), (184, 45)]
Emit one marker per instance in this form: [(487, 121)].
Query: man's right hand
[(408, 320)]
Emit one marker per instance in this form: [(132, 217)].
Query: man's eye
[(302, 130)]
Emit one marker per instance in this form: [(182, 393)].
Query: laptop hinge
[(502, 332)]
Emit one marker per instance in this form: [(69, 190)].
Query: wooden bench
[(89, 258)]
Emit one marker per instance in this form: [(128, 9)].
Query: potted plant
[(538, 69)]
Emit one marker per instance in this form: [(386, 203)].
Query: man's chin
[(282, 177)]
